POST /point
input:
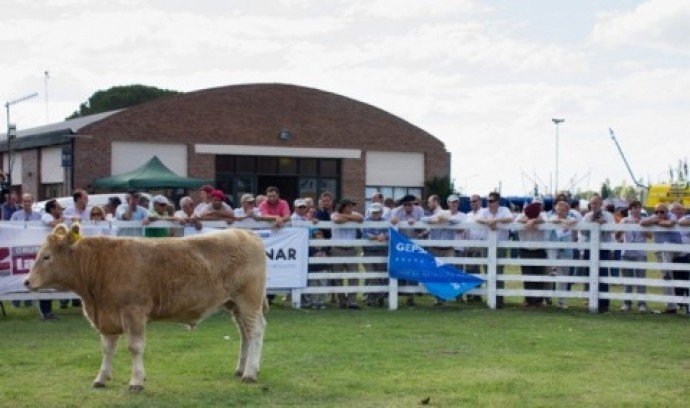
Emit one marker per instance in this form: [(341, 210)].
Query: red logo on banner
[(23, 259), (5, 261)]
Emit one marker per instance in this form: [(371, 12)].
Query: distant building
[(245, 137)]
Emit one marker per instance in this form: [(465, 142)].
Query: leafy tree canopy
[(119, 97)]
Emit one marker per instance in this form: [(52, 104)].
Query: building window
[(329, 167), (308, 167), (287, 166), (51, 191), (244, 164)]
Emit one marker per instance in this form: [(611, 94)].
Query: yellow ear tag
[(75, 236)]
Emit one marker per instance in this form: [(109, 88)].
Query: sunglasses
[(659, 212), (491, 201), (96, 214), (474, 201)]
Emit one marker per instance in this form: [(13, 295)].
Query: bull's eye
[(46, 257)]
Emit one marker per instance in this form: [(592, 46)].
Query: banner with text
[(409, 261), (287, 253)]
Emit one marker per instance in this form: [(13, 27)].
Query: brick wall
[(254, 115)]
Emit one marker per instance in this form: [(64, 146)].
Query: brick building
[(245, 137)]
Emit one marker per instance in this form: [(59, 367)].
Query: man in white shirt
[(492, 216), (474, 235), (599, 216), (345, 214), (78, 211)]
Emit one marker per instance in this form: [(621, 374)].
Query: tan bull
[(126, 282)]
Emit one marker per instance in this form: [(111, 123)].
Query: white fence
[(497, 285)]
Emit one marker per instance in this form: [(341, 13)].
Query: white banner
[(287, 253)]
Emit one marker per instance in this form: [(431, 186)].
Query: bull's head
[(53, 264)]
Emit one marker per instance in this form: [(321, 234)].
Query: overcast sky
[(485, 77)]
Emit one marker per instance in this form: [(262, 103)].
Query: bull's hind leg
[(108, 346), (135, 343), (135, 328), (252, 325)]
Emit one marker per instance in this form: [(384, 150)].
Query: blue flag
[(409, 261)]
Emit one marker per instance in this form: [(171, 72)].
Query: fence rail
[(496, 256)]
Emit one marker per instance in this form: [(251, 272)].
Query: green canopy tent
[(153, 174)]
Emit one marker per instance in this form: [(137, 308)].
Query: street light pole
[(556, 122), (11, 133)]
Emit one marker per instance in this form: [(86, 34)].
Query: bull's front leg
[(108, 346), (244, 344)]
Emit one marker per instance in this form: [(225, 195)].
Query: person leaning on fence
[(474, 234), (130, 210), (300, 211), (565, 220), (78, 211), (247, 209), (97, 214), (663, 218), (159, 212), (682, 257), (317, 300), (532, 217), (274, 208), (601, 217), (344, 214), (439, 216), (634, 255), (185, 215), (111, 207), (406, 215), (491, 216), (380, 235), (217, 209)]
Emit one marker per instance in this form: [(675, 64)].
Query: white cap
[(453, 197), (376, 207), (300, 203), (160, 199)]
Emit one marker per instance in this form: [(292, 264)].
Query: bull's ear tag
[(75, 233), (60, 229)]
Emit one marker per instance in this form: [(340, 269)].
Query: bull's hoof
[(136, 388), (98, 384), (238, 373), (248, 380)]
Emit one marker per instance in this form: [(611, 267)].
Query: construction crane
[(620, 151)]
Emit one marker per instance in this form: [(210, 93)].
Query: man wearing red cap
[(218, 209)]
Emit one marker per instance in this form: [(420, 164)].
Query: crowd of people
[(413, 218)]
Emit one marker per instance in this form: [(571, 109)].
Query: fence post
[(491, 267), (594, 244), (392, 282)]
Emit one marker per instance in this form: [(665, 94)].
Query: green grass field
[(458, 355)]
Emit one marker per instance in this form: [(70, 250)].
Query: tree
[(441, 186), (606, 190), (120, 97)]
